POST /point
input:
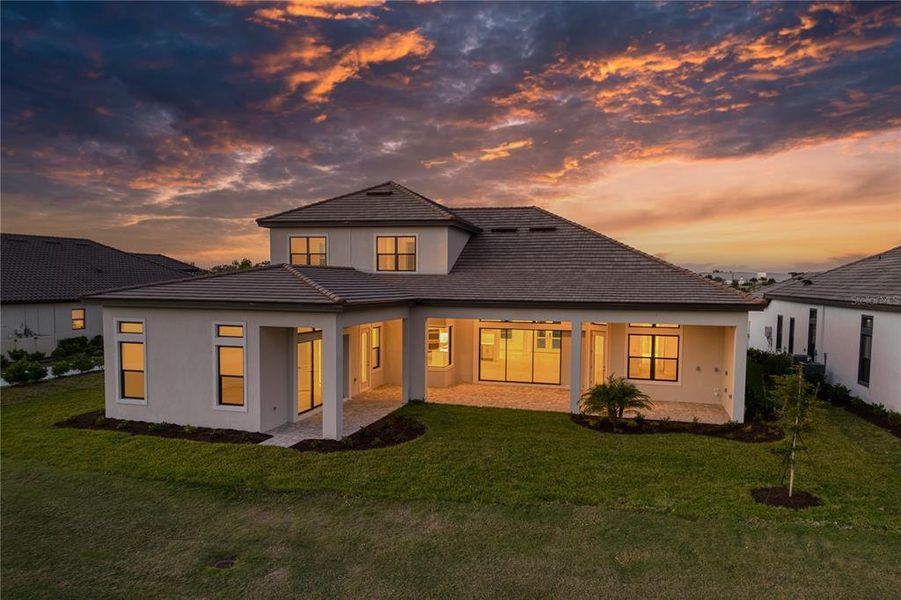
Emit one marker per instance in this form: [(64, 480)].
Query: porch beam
[(575, 367)]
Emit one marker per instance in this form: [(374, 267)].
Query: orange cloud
[(504, 150), (650, 84), (305, 62), (315, 9)]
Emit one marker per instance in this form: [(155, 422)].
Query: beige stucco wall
[(50, 322), (436, 247)]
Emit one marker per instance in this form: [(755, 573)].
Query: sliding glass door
[(520, 355), (309, 371)]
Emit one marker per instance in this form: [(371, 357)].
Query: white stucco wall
[(838, 345), (180, 360), (436, 247), (49, 323)]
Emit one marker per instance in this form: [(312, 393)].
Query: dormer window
[(308, 250), (395, 252)]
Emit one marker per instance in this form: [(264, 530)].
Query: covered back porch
[(368, 363)]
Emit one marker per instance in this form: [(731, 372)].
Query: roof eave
[(833, 302), (209, 304)]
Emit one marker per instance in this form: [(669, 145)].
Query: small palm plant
[(614, 397)]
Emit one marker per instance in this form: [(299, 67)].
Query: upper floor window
[(77, 319), (308, 250), (654, 357), (395, 253)]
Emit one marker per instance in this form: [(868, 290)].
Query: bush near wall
[(78, 353), (760, 405)]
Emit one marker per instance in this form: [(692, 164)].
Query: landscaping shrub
[(23, 371), (613, 398), (4, 362), (835, 393), (815, 373), (98, 360), (96, 345), (762, 368), (72, 346), (18, 354), (82, 362), (60, 367)]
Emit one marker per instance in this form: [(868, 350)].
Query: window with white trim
[(78, 320), (230, 389), (132, 359)]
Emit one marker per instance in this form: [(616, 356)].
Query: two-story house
[(384, 291)]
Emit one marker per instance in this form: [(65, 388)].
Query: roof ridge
[(445, 209), (516, 206), (100, 244), (853, 262), (318, 202), (181, 279), (657, 259), (314, 284)]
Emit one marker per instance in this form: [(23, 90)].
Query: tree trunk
[(791, 460)]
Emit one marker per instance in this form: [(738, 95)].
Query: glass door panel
[(598, 369)]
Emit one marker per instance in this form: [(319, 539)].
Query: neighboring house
[(848, 318), (168, 261), (384, 288), (42, 279)]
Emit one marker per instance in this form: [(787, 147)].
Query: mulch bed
[(96, 420), (778, 496), (387, 431), (868, 413), (755, 432)]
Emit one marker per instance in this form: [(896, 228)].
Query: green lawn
[(489, 501)]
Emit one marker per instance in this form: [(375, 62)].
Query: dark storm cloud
[(220, 112)]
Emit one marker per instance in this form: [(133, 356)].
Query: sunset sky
[(751, 136)]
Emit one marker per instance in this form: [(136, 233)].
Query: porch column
[(332, 382), (575, 367), (414, 376), (739, 367)]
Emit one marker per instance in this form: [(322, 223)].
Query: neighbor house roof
[(385, 204), (172, 263), (37, 268), (522, 255), (873, 282)]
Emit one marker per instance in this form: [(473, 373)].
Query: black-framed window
[(131, 370), (865, 351), (791, 335), (779, 324), (77, 319), (308, 250), (395, 253), (376, 347), (514, 355), (812, 334), (230, 368), (439, 342), (653, 357), (657, 325)]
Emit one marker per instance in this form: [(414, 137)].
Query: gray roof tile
[(37, 268), (386, 203), (545, 259), (874, 281)]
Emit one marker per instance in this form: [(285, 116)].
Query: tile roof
[(267, 285), (522, 255), (383, 204), (37, 268), (873, 282), (168, 261)]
